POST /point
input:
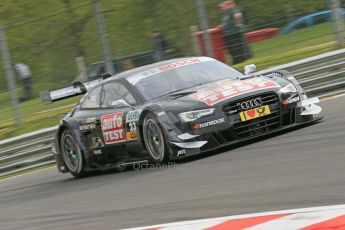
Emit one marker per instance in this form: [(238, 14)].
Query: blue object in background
[(308, 21)]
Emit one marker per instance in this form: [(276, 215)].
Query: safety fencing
[(26, 152), (321, 75)]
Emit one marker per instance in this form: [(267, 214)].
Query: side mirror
[(249, 69), (120, 103)]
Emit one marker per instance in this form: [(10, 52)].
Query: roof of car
[(144, 68)]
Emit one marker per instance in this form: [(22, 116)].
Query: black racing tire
[(72, 155), (155, 140)]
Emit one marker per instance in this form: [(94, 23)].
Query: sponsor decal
[(223, 90), (255, 113), (90, 119), (233, 111), (130, 136), (181, 152), (134, 79), (291, 100), (113, 128), (88, 124), (179, 64), (209, 123), (131, 124), (133, 115), (87, 127)]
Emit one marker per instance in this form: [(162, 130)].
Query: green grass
[(35, 115), (293, 46), (275, 51)]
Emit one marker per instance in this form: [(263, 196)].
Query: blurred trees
[(48, 37)]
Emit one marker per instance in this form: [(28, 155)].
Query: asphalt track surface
[(301, 168)]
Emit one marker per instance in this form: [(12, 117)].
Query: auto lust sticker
[(223, 90), (113, 128)]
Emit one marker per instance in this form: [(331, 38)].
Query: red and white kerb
[(318, 218)]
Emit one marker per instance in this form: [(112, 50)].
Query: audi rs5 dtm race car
[(173, 109)]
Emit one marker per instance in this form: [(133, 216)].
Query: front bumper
[(213, 144), (233, 130)]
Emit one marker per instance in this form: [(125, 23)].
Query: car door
[(89, 115), (117, 124)]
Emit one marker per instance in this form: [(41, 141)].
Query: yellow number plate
[(131, 136), (255, 113)]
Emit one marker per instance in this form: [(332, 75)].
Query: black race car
[(173, 109)]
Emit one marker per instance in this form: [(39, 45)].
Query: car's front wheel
[(154, 139), (71, 154)]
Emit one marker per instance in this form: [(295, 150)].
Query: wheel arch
[(289, 77), (72, 129), (58, 155), (64, 126), (140, 124), (282, 73), (164, 132), (153, 109)]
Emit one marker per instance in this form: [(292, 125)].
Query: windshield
[(176, 79)]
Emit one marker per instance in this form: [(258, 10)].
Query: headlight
[(290, 88), (194, 115)]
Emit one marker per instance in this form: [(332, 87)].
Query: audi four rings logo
[(251, 103)]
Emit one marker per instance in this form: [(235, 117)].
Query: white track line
[(326, 209), (333, 97), (197, 225), (298, 220)]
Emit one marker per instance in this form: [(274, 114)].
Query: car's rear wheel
[(71, 154), (154, 139)]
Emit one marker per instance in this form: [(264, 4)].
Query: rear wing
[(77, 88)]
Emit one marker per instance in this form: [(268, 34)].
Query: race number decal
[(223, 90), (113, 128), (131, 133), (131, 124)]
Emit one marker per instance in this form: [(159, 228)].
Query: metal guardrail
[(26, 151), (321, 75)]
